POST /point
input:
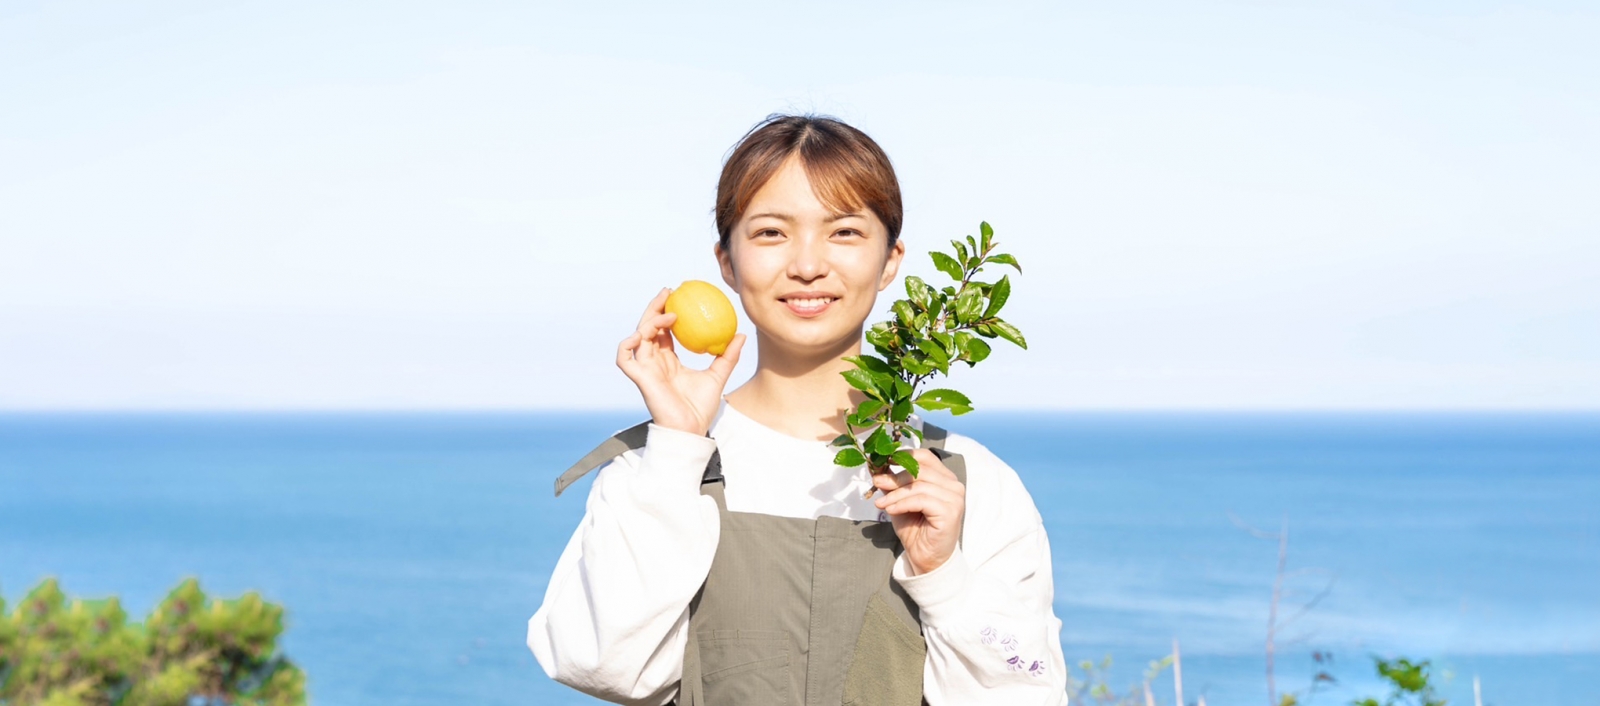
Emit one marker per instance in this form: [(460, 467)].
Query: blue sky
[(465, 205)]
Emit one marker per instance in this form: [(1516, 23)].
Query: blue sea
[(410, 549)]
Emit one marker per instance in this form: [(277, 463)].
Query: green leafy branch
[(932, 329), (60, 651), (1410, 682)]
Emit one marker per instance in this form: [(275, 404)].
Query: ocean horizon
[(409, 548)]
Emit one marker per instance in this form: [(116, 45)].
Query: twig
[(1272, 613), (1177, 672)]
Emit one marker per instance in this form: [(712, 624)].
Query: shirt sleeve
[(614, 620), (987, 615)]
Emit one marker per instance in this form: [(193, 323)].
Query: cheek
[(757, 271)]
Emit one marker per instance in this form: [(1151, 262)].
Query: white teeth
[(811, 303)]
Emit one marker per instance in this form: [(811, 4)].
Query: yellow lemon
[(706, 321)]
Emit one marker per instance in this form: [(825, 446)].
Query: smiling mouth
[(809, 306)]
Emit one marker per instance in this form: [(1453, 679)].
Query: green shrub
[(1409, 683), (56, 651)]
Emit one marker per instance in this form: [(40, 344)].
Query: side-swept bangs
[(847, 169)]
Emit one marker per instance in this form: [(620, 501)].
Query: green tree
[(56, 651)]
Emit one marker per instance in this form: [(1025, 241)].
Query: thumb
[(722, 366)]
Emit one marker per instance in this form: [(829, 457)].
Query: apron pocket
[(745, 667), (888, 663)]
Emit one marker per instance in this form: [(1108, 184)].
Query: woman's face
[(807, 275)]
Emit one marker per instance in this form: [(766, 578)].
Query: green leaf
[(976, 351), (881, 335), (957, 346), (917, 364), (869, 364), (901, 411), (849, 457), (998, 297), (1009, 332), (880, 443), (902, 390), (961, 253), (903, 311), (905, 460), (1005, 259), (843, 440), (934, 351), (942, 399), (947, 265), (917, 290), (868, 408), (863, 381), (969, 305), (988, 234), (974, 245)]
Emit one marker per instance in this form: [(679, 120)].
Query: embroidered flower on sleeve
[(1015, 664), (988, 635), (1036, 669)]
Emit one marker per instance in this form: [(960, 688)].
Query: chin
[(813, 338)]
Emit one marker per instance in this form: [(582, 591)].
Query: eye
[(768, 232), (849, 233)]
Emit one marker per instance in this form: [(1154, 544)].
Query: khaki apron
[(796, 611)]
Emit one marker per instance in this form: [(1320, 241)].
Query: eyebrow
[(791, 219)]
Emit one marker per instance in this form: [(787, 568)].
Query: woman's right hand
[(678, 397)]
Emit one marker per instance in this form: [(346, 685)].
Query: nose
[(810, 258)]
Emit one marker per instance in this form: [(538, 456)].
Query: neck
[(799, 393)]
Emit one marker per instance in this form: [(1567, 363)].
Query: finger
[(664, 340), (934, 509), (941, 495), (653, 336), (627, 358), (656, 305), (931, 493), (931, 467), (625, 350), (653, 326), (722, 366), (890, 481)]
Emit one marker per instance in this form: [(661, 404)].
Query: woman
[(724, 559)]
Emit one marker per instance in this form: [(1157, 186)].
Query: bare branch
[(1241, 524)]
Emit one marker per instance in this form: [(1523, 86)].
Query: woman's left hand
[(926, 511)]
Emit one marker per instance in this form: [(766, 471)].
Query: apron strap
[(632, 438), (933, 438)]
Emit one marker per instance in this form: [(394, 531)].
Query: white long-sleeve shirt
[(614, 622)]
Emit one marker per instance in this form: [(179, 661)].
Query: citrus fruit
[(706, 321)]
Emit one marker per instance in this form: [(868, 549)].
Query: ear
[(891, 268), (725, 261)]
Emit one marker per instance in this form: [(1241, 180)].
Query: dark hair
[(847, 169)]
